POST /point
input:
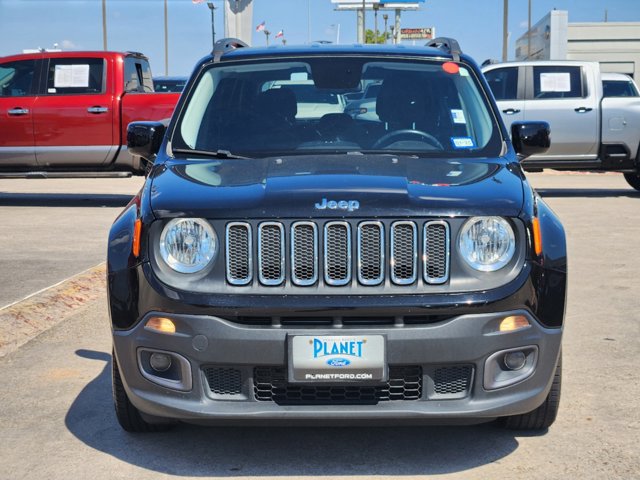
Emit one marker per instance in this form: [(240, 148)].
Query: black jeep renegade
[(286, 261)]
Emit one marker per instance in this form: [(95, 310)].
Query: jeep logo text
[(349, 205)]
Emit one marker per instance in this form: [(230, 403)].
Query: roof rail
[(447, 44), (226, 45)]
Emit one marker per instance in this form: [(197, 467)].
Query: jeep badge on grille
[(349, 205)]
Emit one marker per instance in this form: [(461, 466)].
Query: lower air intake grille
[(224, 381), (270, 385), (452, 381)]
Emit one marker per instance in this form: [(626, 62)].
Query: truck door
[(558, 94), (17, 95), (139, 102), (73, 119), (507, 85)]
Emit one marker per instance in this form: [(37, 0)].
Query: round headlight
[(188, 244), (487, 243)]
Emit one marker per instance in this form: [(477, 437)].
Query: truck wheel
[(543, 416), (633, 179), (128, 416)]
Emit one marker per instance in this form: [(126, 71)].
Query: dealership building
[(616, 45)]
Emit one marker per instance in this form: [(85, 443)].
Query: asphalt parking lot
[(57, 420)]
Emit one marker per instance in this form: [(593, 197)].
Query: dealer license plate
[(337, 359)]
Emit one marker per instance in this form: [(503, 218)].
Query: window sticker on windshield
[(454, 173), (555, 82), (71, 76), (462, 142), (458, 116)]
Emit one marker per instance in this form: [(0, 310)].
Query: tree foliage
[(370, 36)]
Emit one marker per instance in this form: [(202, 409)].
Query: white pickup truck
[(590, 129)]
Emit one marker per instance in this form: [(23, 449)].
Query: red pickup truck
[(69, 111)]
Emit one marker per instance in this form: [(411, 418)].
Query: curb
[(24, 320)]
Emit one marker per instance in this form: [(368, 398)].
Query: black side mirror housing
[(144, 139), (530, 138)]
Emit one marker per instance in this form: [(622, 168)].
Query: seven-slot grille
[(326, 251)]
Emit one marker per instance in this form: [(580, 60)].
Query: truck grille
[(330, 253)]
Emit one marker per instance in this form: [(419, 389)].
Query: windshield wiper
[(224, 154)]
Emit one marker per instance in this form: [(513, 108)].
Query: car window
[(619, 88), (137, 75), (67, 76), (558, 82), (372, 90), (167, 86), (264, 108), (503, 83), (16, 78)]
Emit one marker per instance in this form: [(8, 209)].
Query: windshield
[(298, 106)]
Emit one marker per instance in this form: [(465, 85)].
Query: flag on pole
[(260, 27), (196, 1), (279, 34)]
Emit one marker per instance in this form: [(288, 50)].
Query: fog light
[(508, 367), (514, 360), (160, 362)]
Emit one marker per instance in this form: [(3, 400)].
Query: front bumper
[(464, 341)]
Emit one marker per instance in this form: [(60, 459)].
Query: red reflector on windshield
[(451, 67)]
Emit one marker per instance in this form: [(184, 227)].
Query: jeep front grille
[(304, 253), (239, 253), (271, 253), (337, 253), (404, 254), (307, 253), (371, 253)]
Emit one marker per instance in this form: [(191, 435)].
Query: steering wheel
[(391, 137)]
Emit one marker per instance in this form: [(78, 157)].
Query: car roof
[(621, 77), (70, 54), (536, 63), (332, 49), (175, 78)]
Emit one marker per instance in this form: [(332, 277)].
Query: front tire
[(633, 179), (543, 416), (128, 415)]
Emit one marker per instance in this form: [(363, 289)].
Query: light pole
[(505, 28), (375, 22), (308, 23), (385, 17), (529, 35), (104, 24), (166, 39), (212, 7), (364, 23), (336, 27)]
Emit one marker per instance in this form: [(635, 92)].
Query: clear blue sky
[(139, 24)]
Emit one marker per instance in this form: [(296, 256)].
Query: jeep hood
[(312, 186)]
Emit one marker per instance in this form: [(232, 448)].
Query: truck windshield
[(298, 106)]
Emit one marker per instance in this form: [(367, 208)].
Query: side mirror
[(530, 138), (144, 139)]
